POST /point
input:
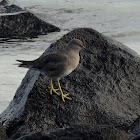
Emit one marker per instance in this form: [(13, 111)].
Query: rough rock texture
[(17, 23), (104, 88), (75, 133), (2, 133)]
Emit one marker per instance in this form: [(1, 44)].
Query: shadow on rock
[(76, 133)]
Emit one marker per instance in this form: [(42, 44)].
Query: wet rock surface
[(104, 88), (3, 135), (15, 22), (75, 133)]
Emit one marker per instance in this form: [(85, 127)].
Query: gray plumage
[(57, 64)]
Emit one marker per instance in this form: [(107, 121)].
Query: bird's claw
[(54, 90), (59, 89), (65, 96)]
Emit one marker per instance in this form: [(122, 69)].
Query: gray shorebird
[(57, 65)]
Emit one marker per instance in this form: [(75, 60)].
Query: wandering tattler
[(57, 64)]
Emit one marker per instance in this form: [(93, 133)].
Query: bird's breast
[(67, 72), (74, 61)]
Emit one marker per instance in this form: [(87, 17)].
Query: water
[(119, 19)]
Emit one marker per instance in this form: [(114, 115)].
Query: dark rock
[(75, 133), (13, 9), (104, 88), (2, 133), (3, 3), (6, 8), (17, 23)]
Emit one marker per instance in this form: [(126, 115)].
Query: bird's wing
[(50, 61)]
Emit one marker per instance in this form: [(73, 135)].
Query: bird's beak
[(82, 46)]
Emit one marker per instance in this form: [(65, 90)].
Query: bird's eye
[(79, 45)]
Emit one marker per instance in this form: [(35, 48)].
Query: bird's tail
[(25, 64)]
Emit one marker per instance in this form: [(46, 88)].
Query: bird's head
[(75, 44)]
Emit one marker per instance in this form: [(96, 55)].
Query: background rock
[(12, 9), (2, 133), (3, 3), (104, 88), (75, 133), (17, 23)]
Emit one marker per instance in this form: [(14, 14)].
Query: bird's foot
[(65, 96), (54, 90), (62, 94)]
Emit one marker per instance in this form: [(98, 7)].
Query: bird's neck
[(73, 56), (71, 49)]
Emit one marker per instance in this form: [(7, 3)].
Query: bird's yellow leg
[(52, 89), (63, 95)]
